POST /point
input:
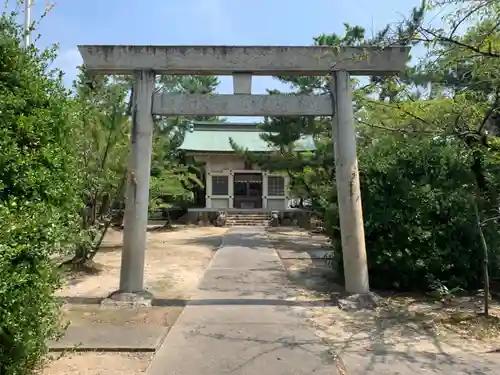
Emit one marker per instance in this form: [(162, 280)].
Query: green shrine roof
[(215, 136)]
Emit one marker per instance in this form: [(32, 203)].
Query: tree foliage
[(429, 161), (39, 204), (427, 153), (101, 145), (63, 160)]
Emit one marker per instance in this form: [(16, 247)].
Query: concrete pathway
[(238, 324), (104, 337)]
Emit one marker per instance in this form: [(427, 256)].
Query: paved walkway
[(238, 324)]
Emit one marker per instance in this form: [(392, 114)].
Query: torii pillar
[(243, 62)]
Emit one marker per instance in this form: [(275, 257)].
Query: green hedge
[(419, 221), (38, 200)]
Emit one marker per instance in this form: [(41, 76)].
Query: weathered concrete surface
[(311, 254), (403, 363), (258, 60), (137, 193), (348, 187), (242, 83), (262, 336), (105, 337), (241, 105), (257, 337)]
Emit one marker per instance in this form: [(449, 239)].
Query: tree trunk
[(477, 168), (484, 245)]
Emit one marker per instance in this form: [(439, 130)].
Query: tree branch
[(406, 131), (445, 39)]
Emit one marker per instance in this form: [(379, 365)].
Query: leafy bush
[(38, 201), (419, 222)]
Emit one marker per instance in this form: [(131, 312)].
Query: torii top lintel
[(256, 60)]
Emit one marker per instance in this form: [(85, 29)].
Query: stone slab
[(242, 349), (256, 313), (216, 334), (251, 237), (251, 331), (106, 337), (241, 258), (258, 60), (241, 105), (244, 283)]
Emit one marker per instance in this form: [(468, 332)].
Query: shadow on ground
[(211, 241), (179, 302), (403, 335), (303, 256), (413, 330)]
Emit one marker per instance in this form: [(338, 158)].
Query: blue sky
[(258, 22), (236, 22)]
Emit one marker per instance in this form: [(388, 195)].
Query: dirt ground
[(99, 364), (402, 323), (175, 263)]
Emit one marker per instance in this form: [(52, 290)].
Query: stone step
[(247, 219), (248, 223), (248, 216)]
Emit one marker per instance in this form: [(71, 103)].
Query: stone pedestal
[(128, 300)]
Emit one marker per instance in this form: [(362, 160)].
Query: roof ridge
[(227, 126)]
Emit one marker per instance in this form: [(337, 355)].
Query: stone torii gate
[(242, 62)]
